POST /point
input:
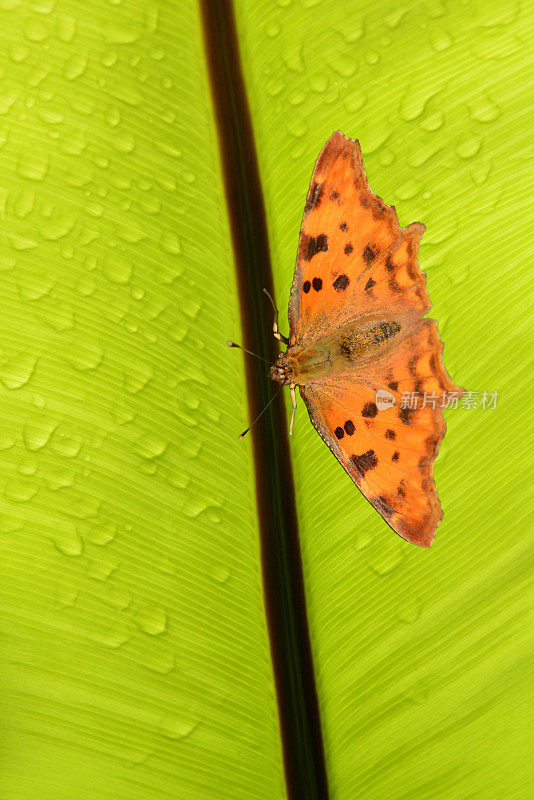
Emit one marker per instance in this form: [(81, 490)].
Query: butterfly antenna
[(244, 349), (277, 334), (275, 395)]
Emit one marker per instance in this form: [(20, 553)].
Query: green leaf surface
[(134, 649)]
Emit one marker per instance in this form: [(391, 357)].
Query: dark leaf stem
[(281, 562)]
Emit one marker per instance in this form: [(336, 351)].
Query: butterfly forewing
[(353, 257)]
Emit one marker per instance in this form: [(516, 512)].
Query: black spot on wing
[(369, 410), (343, 226), (349, 427), (317, 284), (395, 456), (393, 385), (306, 287), (341, 283), (348, 249), (369, 285), (406, 414), (393, 285), (369, 254), (340, 433), (315, 196), (383, 505), (311, 245), (390, 434), (364, 462)]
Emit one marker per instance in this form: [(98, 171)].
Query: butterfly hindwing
[(390, 453)]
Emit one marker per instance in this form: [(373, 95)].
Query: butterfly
[(359, 346)]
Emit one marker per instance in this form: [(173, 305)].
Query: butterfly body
[(347, 348), (358, 335)]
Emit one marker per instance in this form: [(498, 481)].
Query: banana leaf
[(136, 651)]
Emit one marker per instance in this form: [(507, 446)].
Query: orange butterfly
[(358, 342)]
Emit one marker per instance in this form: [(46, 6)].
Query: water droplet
[(28, 466), (37, 76), (151, 19), (440, 40), (36, 433), (121, 413), (432, 122), (50, 115), (20, 490), (319, 84), (152, 620), (9, 523), (65, 538), (114, 637), (18, 52), (117, 271), (123, 143), (344, 66), (483, 109), (101, 533), (159, 660), (136, 378), (385, 559), (56, 229), (113, 116), (149, 447), (115, 34), (394, 18), (297, 128), (355, 100), (176, 727), (75, 66), (7, 440), (65, 598), (386, 157), (86, 286), (273, 29), (170, 243), (409, 189), (84, 353), (33, 165), (66, 444), (16, 372), (65, 28), (480, 172), (100, 570), (468, 147), (220, 573), (409, 609), (180, 480), (109, 58), (363, 539), (58, 478), (414, 101)]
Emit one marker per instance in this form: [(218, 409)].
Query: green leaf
[(135, 652)]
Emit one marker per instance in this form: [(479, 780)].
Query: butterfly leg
[(294, 404), (277, 334)]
